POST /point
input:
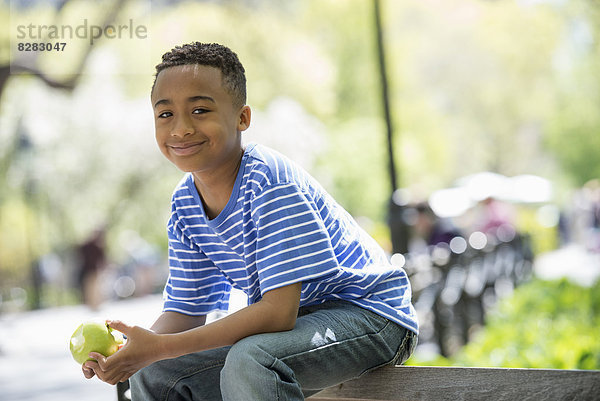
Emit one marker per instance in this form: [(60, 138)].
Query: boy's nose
[(183, 127)]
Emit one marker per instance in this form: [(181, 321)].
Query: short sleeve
[(195, 286), (292, 242)]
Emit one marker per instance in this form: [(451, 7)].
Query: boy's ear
[(244, 119)]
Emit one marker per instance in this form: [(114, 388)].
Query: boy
[(324, 304)]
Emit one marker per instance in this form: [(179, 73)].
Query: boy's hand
[(276, 311), (141, 349), (88, 373)]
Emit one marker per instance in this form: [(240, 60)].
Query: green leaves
[(544, 324)]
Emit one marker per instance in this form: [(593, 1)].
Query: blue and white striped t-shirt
[(279, 227)]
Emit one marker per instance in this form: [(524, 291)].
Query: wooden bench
[(411, 383), (456, 383)]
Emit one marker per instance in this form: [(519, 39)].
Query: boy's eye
[(165, 114), (199, 111)]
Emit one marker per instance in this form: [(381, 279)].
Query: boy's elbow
[(288, 322), (283, 320), (281, 306)]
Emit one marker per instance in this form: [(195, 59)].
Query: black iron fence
[(455, 284)]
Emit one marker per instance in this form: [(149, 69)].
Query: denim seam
[(408, 340), (172, 383), (276, 379)]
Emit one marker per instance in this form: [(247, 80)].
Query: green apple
[(94, 336)]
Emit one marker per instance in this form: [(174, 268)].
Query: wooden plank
[(315, 398), (318, 397), (456, 383)]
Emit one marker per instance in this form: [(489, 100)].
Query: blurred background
[(464, 135)]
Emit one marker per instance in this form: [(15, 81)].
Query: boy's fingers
[(95, 368), (119, 325), (87, 372), (98, 357), (91, 365)]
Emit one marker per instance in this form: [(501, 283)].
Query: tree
[(574, 130)]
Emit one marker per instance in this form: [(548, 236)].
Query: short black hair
[(212, 55)]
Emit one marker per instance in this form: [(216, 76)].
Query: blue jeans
[(331, 343)]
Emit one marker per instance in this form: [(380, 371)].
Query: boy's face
[(197, 126)]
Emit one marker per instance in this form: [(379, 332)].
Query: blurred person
[(432, 229), (595, 246), (141, 264), (91, 258), (592, 188), (325, 305), (564, 229), (493, 213)]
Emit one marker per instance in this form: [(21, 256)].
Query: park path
[(35, 362)]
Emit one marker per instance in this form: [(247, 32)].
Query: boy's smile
[(197, 125), (185, 148)]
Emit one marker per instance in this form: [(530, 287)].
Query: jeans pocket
[(406, 348)]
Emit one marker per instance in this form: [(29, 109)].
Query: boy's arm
[(276, 311), (173, 322)]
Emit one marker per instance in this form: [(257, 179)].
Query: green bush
[(544, 324)]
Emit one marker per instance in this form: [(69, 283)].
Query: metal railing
[(455, 284)]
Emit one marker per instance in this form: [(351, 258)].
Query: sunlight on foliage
[(544, 324)]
